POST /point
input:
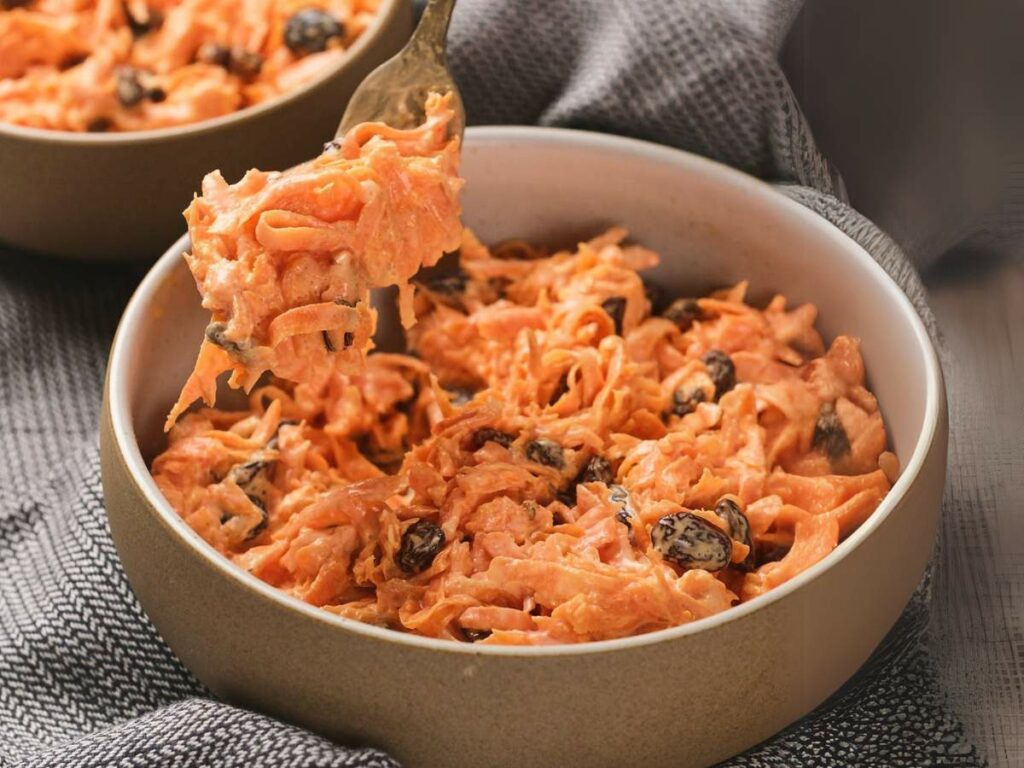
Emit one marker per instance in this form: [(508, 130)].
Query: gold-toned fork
[(396, 92)]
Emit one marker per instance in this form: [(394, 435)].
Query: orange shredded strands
[(285, 261), (535, 472), (131, 65)]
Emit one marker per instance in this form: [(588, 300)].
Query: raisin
[(620, 496), (560, 389), (691, 542), (245, 64), (310, 30), (253, 478), (486, 435), (348, 338), (421, 543), (141, 27), (597, 470), (721, 370), (739, 528), (156, 94), (99, 124), (217, 333), (683, 312), (130, 91), (615, 308), (476, 635), (685, 401), (214, 53), (546, 452), (829, 434)]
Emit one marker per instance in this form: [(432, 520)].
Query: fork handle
[(432, 31)]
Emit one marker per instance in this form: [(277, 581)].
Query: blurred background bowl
[(687, 696), (119, 196)]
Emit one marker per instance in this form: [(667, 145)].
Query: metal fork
[(396, 92)]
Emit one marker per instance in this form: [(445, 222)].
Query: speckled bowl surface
[(119, 196), (688, 696)]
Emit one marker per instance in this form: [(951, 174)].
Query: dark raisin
[(217, 333), (156, 94), (310, 30), (626, 513), (253, 477), (829, 434), (99, 124), (690, 542), (685, 401), (597, 469), (245, 64), (486, 435), (459, 396), (546, 452), (261, 526), (140, 27), (215, 54), (130, 91), (72, 60), (348, 339), (615, 308), (560, 389), (476, 635), (388, 460), (420, 544), (683, 312), (739, 529), (721, 370)]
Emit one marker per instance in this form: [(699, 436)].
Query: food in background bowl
[(554, 460), (102, 66)]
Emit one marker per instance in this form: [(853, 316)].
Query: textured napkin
[(84, 678)]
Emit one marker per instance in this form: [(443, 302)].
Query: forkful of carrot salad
[(285, 261)]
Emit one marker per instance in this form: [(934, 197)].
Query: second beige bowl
[(688, 696), (120, 195)]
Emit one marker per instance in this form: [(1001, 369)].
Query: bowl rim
[(138, 472), (386, 14)]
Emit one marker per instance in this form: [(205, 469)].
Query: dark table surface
[(977, 629)]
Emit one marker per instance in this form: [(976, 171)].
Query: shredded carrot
[(130, 65), (512, 480), (285, 261)]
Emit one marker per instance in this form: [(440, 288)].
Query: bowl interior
[(712, 226)]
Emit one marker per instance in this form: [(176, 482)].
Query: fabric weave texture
[(85, 680)]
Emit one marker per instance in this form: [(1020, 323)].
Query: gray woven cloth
[(84, 678)]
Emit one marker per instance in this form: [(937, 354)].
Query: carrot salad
[(560, 457), (285, 261), (130, 65)]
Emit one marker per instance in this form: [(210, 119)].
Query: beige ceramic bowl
[(120, 195), (688, 696)]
